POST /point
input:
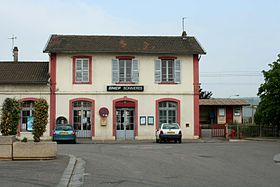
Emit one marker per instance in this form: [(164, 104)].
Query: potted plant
[(36, 149), (10, 115)]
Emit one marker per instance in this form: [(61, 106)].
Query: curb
[(68, 172), (263, 139)]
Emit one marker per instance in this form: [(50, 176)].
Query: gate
[(218, 130)]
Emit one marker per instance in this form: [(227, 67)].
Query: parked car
[(64, 132), (169, 132)]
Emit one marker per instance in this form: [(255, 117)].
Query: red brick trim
[(196, 95), (125, 57), (74, 70), (52, 92), (167, 57), (167, 83), (92, 112), (178, 109), (135, 105)]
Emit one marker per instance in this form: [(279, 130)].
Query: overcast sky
[(241, 37)]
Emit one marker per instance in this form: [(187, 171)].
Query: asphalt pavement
[(214, 162), (246, 163), (33, 173)]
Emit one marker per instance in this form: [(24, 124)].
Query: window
[(125, 71), (237, 111), (167, 71), (82, 70), (167, 112), (27, 111), (221, 111)]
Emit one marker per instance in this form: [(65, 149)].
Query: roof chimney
[(184, 34), (15, 54)]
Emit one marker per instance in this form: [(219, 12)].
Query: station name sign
[(125, 88)]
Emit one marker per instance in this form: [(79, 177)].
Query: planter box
[(34, 150), (6, 147)]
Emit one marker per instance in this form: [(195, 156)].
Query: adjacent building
[(221, 111)]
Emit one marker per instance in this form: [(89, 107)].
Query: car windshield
[(63, 127), (170, 126)]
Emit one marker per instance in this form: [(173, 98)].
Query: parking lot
[(247, 163)]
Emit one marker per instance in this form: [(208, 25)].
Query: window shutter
[(157, 71), (135, 71), (177, 71), (115, 70)]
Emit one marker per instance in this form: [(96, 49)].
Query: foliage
[(24, 139), (40, 119), (205, 94), (10, 115), (268, 111)]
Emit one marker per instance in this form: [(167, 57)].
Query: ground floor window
[(167, 112), (27, 112)]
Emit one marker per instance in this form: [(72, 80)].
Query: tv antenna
[(183, 23), (13, 38)]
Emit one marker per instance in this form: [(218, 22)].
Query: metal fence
[(248, 130)]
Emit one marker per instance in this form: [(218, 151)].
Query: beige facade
[(102, 77)]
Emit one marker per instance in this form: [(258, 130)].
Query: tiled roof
[(123, 44), (24, 72), (223, 102)]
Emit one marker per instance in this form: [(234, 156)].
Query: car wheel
[(180, 141), (157, 140)]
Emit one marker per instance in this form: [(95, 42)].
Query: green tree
[(204, 94), (10, 115), (268, 111), (40, 119)]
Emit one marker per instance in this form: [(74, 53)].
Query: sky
[(241, 37)]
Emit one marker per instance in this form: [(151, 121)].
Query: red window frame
[(74, 69)]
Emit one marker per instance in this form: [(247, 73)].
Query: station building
[(120, 87)]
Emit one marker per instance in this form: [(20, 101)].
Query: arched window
[(27, 112), (167, 112)]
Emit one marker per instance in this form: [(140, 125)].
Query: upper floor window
[(125, 70), (82, 70), (167, 70)]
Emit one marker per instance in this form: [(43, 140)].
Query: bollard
[(232, 133)]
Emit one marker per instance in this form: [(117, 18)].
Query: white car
[(169, 131)]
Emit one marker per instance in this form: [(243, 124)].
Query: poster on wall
[(150, 120), (29, 123), (142, 120)]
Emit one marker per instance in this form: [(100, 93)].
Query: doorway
[(125, 123), (82, 113)]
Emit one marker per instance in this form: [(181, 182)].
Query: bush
[(40, 119), (24, 139), (10, 115)]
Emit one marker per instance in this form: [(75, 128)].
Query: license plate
[(63, 133), (170, 132)]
